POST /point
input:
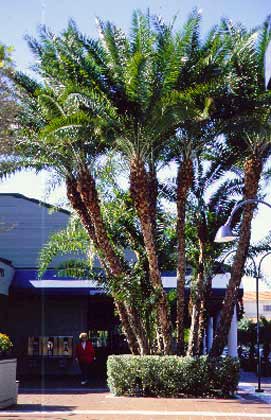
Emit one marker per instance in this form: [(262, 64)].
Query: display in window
[(65, 345), (50, 346)]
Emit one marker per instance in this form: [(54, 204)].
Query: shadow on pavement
[(60, 390), (56, 385), (39, 407)]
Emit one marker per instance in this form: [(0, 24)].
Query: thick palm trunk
[(88, 193), (252, 171), (78, 205), (140, 192), (184, 181), (129, 317)]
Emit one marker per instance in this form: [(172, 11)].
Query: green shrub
[(172, 376)]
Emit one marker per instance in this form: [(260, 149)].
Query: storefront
[(46, 316)]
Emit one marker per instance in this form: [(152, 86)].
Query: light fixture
[(224, 234)]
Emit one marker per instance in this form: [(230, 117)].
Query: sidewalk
[(97, 404), (101, 406), (249, 383)]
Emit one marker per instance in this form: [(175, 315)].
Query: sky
[(21, 17)]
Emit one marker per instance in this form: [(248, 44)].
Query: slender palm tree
[(247, 131), (213, 194), (92, 93), (60, 133), (146, 67), (202, 74)]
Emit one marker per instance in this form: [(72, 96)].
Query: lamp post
[(225, 234)]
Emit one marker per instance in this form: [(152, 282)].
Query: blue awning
[(27, 282)]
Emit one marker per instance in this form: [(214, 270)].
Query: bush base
[(172, 376)]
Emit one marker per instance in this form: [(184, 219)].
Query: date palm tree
[(93, 93), (147, 68), (58, 132), (213, 194), (247, 132), (203, 74)]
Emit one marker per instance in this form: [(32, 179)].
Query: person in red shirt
[(85, 355)]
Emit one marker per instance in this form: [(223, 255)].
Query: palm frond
[(72, 240)]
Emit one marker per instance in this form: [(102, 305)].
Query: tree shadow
[(246, 399), (40, 408), (60, 390)]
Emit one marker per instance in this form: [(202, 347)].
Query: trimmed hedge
[(172, 376)]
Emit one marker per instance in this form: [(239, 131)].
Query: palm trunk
[(130, 320), (145, 285), (87, 188), (140, 193), (78, 205), (252, 174), (193, 347), (153, 193), (203, 318), (184, 181), (202, 325), (127, 328)]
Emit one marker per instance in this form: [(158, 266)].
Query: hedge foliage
[(172, 376)]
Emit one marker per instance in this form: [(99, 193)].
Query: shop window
[(267, 308), (50, 346)]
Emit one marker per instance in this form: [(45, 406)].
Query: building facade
[(264, 304)]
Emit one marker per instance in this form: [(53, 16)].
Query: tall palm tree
[(94, 92), (202, 74), (213, 194), (146, 68), (163, 97), (247, 131), (61, 133)]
